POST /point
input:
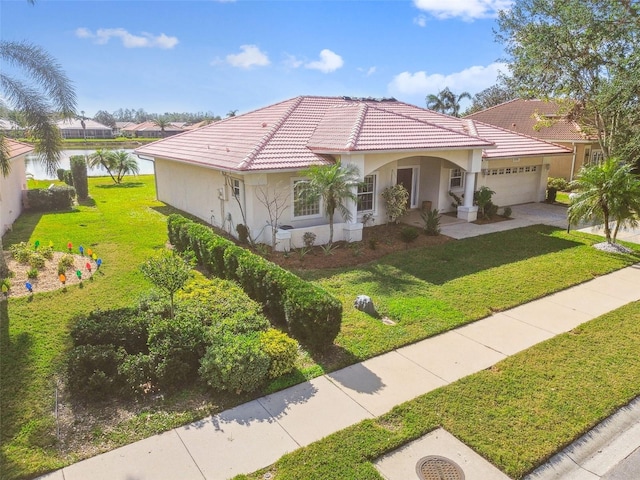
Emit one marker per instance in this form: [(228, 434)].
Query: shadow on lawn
[(15, 356), (22, 229), (442, 263), (122, 185)]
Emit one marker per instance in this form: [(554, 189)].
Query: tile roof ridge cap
[(354, 136), (494, 106), (426, 122), (530, 137), (251, 156), (471, 126)]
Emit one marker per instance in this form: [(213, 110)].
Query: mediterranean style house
[(12, 185), (541, 120), (231, 171)]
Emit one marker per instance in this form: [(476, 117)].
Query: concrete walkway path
[(256, 434)]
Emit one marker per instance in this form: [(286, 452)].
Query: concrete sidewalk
[(256, 434)]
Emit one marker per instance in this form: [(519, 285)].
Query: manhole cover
[(435, 467)]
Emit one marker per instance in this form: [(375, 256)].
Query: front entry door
[(405, 178)]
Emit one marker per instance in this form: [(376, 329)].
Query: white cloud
[(420, 20), (367, 71), (129, 40), (329, 62), (421, 84), (291, 61), (251, 56), (468, 10)]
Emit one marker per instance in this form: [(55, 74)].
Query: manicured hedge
[(312, 315), (124, 327), (53, 198), (79, 175)]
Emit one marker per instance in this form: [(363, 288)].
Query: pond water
[(35, 168)]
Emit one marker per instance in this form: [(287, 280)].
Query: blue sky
[(217, 56)]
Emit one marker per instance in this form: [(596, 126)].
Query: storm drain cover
[(435, 467)]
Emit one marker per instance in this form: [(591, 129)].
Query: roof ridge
[(354, 136), (426, 122), (519, 134), (494, 106), (251, 156), (471, 126)]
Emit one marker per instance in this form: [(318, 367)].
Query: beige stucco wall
[(515, 188), (11, 188), (561, 164)]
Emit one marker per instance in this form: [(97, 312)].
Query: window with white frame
[(596, 157), (456, 179), (303, 205), (366, 194), (235, 187)]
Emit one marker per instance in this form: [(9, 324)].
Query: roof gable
[(17, 148)]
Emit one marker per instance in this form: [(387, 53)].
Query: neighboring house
[(220, 172), (540, 119), (10, 128), (117, 130), (11, 186), (87, 128), (151, 130)]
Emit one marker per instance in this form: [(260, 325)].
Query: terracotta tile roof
[(151, 126), (522, 116), (17, 148), (298, 132)]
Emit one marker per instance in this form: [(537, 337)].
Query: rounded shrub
[(123, 327), (92, 371), (235, 363), (282, 351), (409, 234), (137, 374)]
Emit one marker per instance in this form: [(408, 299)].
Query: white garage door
[(513, 185)]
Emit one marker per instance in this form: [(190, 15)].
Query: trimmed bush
[(79, 175), (313, 316), (92, 371), (53, 198), (137, 374), (175, 347), (409, 234), (60, 174), (235, 363), (309, 311), (68, 178), (124, 328), (282, 351)]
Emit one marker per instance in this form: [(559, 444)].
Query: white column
[(467, 211), (352, 231)]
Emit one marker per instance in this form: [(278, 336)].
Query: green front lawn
[(428, 291), (516, 414), (425, 291)]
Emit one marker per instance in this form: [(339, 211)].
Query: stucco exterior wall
[(11, 188)]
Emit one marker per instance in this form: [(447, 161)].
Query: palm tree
[(123, 163), (606, 192), (333, 184), (103, 159), (162, 123), (55, 94), (446, 102), (36, 105)]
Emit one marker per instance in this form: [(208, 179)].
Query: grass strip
[(516, 414)]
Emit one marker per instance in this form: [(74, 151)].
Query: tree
[(105, 118), (53, 92), (123, 164), (446, 102), (334, 184), (606, 192), (168, 271), (163, 123), (276, 201), (490, 97), (584, 54), (103, 159)]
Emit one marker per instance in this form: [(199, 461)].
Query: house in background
[(540, 119), (117, 130), (11, 186), (222, 172), (11, 129), (87, 128), (149, 129)]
